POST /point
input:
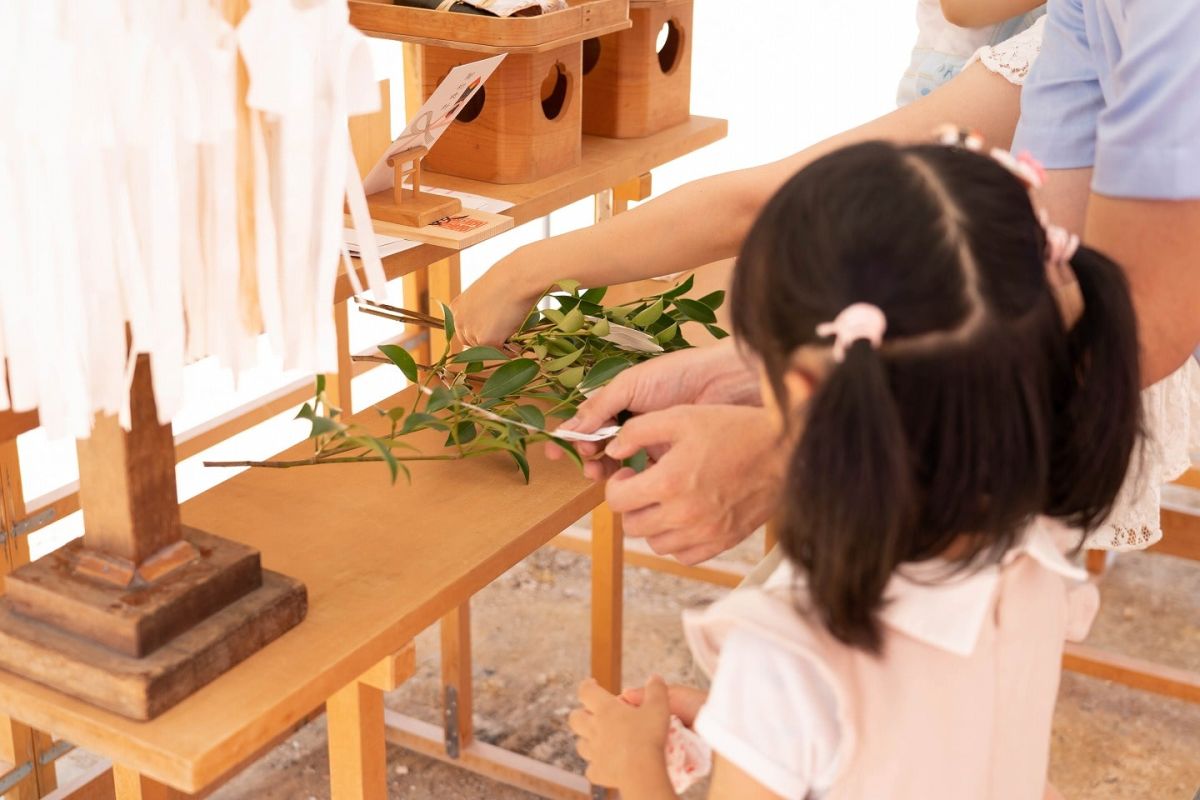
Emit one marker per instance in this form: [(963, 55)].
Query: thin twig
[(317, 461)]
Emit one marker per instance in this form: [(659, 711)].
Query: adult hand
[(717, 476), (699, 376), (495, 306)]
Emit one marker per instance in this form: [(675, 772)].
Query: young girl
[(956, 417)]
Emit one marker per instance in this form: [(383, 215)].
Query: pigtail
[(850, 496), (1100, 421)]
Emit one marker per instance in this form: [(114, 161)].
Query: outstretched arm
[(707, 220), (980, 13)]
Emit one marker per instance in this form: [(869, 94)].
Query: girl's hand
[(682, 701), (624, 744), (496, 305)]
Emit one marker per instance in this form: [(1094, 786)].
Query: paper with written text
[(442, 108)]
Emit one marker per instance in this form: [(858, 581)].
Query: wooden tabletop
[(381, 564), (605, 163)]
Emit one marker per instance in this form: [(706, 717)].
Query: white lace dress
[(1172, 406)]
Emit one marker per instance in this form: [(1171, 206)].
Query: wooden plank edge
[(502, 766), (1133, 672), (638, 554)]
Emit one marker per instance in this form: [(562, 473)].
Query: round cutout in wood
[(669, 46), (555, 91), (474, 106), (591, 54)]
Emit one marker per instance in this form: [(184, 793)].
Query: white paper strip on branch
[(119, 194)]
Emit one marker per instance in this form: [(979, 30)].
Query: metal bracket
[(29, 525), (14, 777), (450, 722)]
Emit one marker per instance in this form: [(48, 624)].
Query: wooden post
[(132, 785), (340, 386), (19, 744), (608, 561), (445, 284), (457, 695), (357, 749)]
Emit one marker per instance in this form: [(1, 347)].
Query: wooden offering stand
[(143, 610), (411, 207), (633, 88), (526, 123)]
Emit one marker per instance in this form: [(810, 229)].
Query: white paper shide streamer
[(119, 194)]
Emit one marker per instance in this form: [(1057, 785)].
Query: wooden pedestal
[(414, 209), (632, 89), (142, 611), (524, 125)]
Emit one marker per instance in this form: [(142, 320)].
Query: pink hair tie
[(858, 321), (1061, 245)]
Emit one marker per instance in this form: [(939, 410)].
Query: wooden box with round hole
[(638, 82), (524, 124)]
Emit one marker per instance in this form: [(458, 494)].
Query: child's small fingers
[(592, 695), (633, 695), (584, 748), (581, 723)]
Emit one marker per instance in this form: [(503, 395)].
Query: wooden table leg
[(132, 785), (457, 694), (608, 561), (339, 386), (357, 747), (445, 284), (19, 744)]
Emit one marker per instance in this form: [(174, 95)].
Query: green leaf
[(682, 288), (570, 450), (650, 315), (442, 398), (696, 311), (601, 328), (595, 295), (371, 443), (509, 378), (714, 300), (604, 371), (462, 433), (305, 412), (718, 333), (554, 315), (568, 285), (320, 384), (419, 421), (572, 321), (472, 354), (522, 463), (448, 315), (571, 378), (561, 347), (402, 359), (559, 364), (531, 321), (473, 367), (638, 461), (531, 415), (540, 351), (395, 414), (321, 425), (668, 334)]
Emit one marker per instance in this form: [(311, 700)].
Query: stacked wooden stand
[(143, 610)]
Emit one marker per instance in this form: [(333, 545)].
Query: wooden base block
[(143, 688), (138, 620), (464, 230), (415, 211)]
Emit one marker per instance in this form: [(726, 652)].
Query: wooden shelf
[(606, 163), (585, 19)]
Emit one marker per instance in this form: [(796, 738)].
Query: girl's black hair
[(979, 411)]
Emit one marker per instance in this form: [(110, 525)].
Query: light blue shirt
[(1117, 87)]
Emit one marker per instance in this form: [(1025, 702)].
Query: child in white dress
[(959, 387), (949, 32)]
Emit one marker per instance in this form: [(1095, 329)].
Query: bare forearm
[(979, 13), (707, 220), (1156, 243)]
